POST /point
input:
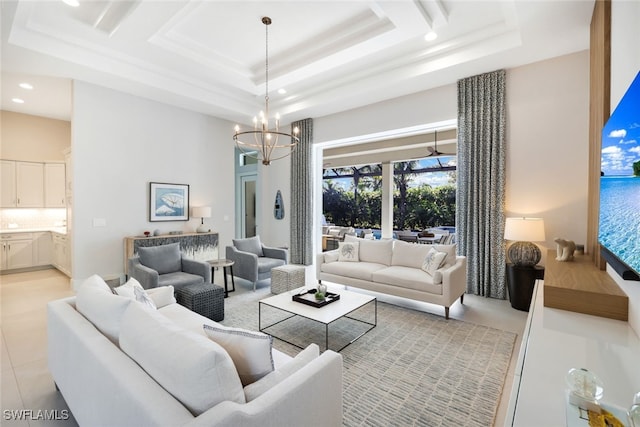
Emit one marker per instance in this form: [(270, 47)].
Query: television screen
[(619, 229)]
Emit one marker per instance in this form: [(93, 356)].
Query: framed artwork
[(168, 202)]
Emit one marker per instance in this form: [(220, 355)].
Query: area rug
[(413, 369)]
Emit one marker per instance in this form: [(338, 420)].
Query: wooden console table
[(581, 287), (198, 246)]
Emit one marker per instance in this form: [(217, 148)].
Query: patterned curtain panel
[(481, 182), (301, 250)]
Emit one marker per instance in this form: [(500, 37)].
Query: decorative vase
[(322, 288)]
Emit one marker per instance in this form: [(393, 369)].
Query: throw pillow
[(164, 258), (348, 251), (267, 382), (433, 261), (162, 295), (195, 370), (250, 351), (134, 290), (331, 256), (101, 307), (251, 245)]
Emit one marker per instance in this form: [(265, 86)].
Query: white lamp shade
[(524, 229), (201, 212)]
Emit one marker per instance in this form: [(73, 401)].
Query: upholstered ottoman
[(287, 277), (206, 299)]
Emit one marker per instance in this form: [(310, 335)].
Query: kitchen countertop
[(59, 230)]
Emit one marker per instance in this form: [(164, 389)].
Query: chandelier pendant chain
[(266, 146)]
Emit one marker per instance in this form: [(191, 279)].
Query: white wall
[(625, 64), (547, 137), (548, 144), (421, 108), (274, 232), (119, 144)]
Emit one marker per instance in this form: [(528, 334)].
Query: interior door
[(248, 206)]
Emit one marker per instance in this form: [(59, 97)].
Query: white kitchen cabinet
[(8, 185), (29, 185), (54, 185), (17, 251), (42, 248), (61, 258)]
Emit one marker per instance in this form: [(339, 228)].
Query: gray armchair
[(253, 260), (164, 265)]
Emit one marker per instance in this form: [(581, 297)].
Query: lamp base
[(524, 254), (203, 229)]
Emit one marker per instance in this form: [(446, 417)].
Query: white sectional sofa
[(119, 362), (396, 268)]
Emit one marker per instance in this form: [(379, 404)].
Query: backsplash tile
[(32, 218)]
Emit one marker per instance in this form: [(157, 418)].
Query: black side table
[(521, 281), (224, 264)]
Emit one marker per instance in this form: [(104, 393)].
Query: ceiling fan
[(433, 151)]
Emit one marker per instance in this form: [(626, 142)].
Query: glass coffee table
[(288, 320)]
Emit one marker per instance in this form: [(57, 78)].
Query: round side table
[(224, 264)]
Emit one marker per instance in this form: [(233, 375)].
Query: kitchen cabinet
[(42, 249), (17, 251), (22, 184), (8, 184), (29, 185), (54, 185), (61, 258)]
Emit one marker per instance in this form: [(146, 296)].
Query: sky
[(621, 134)]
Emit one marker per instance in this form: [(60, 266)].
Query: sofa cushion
[(348, 251), (407, 277), (162, 295), (377, 251), (331, 256), (251, 245), (270, 380), (163, 259), (249, 350), (355, 270), (101, 306), (433, 261), (132, 289), (409, 254), (450, 250), (195, 370)]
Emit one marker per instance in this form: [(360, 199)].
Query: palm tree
[(402, 175)]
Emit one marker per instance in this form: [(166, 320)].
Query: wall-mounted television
[(619, 229)]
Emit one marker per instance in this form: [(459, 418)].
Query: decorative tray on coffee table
[(309, 298)]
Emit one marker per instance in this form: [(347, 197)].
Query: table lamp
[(524, 231), (202, 212)]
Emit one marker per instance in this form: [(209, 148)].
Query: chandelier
[(263, 143)]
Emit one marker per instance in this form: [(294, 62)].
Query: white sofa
[(395, 267), (132, 365)]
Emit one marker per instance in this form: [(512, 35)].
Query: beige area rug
[(413, 369)]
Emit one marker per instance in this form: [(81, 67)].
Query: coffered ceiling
[(329, 56)]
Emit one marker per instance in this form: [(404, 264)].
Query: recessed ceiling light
[(18, 100), (430, 36), (72, 3), (282, 91), (26, 86)]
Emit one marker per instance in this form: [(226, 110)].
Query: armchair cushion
[(179, 279), (251, 245), (164, 258)]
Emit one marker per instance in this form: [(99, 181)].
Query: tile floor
[(27, 384)]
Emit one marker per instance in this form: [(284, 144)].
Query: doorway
[(248, 206)]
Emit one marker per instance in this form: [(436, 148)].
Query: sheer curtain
[(481, 181), (301, 250)]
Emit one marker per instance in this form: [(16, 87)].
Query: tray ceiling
[(329, 56)]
